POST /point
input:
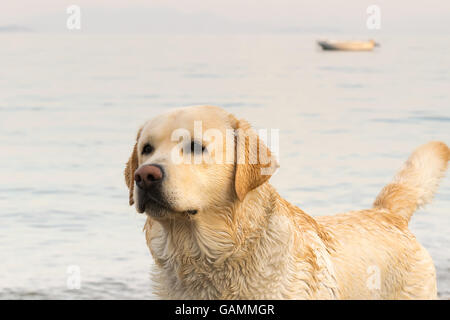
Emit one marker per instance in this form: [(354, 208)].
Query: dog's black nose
[(148, 175)]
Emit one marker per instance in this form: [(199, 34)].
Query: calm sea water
[(70, 107)]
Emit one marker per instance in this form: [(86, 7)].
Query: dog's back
[(376, 256)]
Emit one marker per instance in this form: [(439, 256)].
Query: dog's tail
[(417, 181)]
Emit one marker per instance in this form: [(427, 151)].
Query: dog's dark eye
[(197, 147), (147, 149)]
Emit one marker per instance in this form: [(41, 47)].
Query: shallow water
[(70, 107)]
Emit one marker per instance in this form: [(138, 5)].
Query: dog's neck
[(211, 244), (219, 232)]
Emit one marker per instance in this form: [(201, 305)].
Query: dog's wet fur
[(221, 231)]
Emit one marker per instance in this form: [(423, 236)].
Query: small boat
[(348, 45)]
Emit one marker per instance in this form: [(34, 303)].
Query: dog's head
[(195, 159)]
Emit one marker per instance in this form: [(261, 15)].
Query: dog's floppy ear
[(255, 164), (131, 167)]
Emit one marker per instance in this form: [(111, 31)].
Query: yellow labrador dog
[(219, 230)]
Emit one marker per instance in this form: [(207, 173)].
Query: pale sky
[(244, 15)]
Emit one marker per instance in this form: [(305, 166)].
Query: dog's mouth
[(154, 208), (157, 208)]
